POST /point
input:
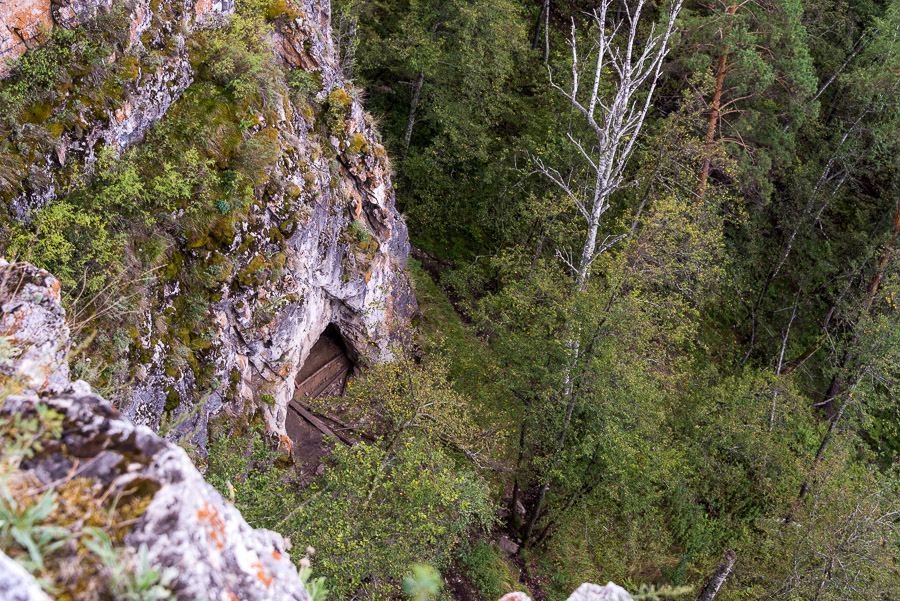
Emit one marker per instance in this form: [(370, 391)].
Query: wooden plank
[(320, 380), (315, 421), (324, 350)]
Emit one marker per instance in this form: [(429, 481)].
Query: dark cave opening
[(324, 374)]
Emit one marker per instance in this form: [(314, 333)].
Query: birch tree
[(614, 120)]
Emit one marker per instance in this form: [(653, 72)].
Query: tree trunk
[(836, 385), (584, 490), (718, 577), (804, 488), (411, 121), (535, 514), (545, 7), (413, 107), (713, 121), (547, 32), (834, 388), (514, 503), (872, 289)]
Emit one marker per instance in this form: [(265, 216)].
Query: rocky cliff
[(125, 513), (104, 476), (299, 233)]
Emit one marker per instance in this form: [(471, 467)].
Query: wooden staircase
[(324, 374)]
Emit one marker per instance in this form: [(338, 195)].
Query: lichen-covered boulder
[(595, 592), (16, 584), (33, 328), (182, 522), (585, 592)]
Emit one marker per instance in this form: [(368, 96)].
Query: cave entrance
[(326, 369), (324, 374)]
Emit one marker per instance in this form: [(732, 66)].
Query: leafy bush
[(129, 575), (483, 567), (338, 110), (303, 84), (76, 246), (243, 468), (376, 512), (239, 57)]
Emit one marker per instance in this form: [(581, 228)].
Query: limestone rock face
[(34, 328), (16, 584), (22, 24), (323, 243), (25, 24), (186, 525), (266, 328), (146, 98)]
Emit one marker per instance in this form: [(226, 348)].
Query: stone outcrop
[(184, 524), (16, 584), (144, 99), (33, 327), (329, 276), (25, 24), (297, 265), (585, 592)]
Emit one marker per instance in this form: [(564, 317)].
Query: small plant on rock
[(130, 575)]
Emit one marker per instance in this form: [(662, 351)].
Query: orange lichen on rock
[(202, 7), (23, 24), (212, 522), (263, 576)]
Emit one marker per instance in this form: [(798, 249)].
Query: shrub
[(303, 85), (243, 468), (339, 104), (483, 567), (74, 245), (376, 512)]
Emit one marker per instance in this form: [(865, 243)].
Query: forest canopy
[(654, 250)]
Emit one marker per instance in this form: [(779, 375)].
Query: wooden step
[(328, 380), (302, 412)]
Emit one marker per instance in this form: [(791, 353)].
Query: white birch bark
[(636, 67), (614, 122)]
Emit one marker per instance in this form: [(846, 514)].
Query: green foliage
[(410, 475), (36, 76), (23, 436), (303, 84), (239, 57), (245, 469), (21, 524), (314, 587), (453, 173), (483, 566), (337, 112), (353, 514), (78, 247), (655, 593), (130, 576), (359, 231), (111, 232), (423, 583)]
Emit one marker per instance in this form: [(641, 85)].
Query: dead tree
[(718, 577), (614, 123)]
